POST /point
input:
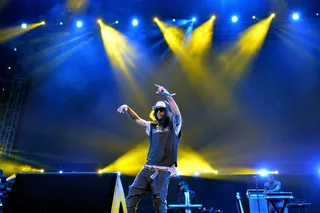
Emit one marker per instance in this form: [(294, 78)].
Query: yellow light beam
[(10, 166), (239, 57), (7, 34), (198, 44), (201, 39), (190, 161), (229, 66), (196, 63), (173, 35), (131, 162), (117, 47), (123, 57), (193, 56)]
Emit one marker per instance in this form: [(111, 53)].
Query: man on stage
[(164, 133), (274, 186), (186, 197)]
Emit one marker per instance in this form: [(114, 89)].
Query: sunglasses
[(160, 110)]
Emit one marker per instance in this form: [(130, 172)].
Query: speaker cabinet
[(66, 192)]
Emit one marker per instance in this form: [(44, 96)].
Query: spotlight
[(99, 171), (9, 68), (43, 22), (196, 174), (295, 16), (119, 173), (234, 19), (155, 19), (42, 170), (60, 171), (61, 23), (79, 24), (317, 14), (15, 49), (173, 20), (263, 172), (213, 17), (117, 22), (253, 17), (99, 21), (194, 19), (135, 22), (24, 26), (273, 15)]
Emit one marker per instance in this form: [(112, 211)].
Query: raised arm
[(173, 104), (174, 107), (132, 115), (175, 110)]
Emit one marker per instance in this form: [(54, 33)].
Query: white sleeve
[(148, 127), (177, 128)]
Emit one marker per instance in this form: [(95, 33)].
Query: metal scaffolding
[(12, 112)]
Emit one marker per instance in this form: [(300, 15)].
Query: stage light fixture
[(196, 174), (79, 24), (263, 172), (234, 19), (24, 26), (135, 22), (295, 16)]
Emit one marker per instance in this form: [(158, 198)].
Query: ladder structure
[(12, 113)]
